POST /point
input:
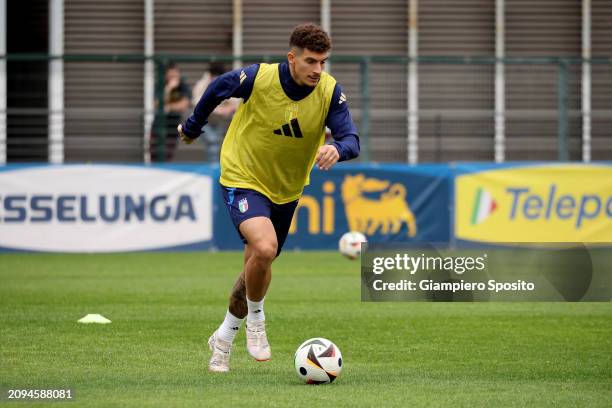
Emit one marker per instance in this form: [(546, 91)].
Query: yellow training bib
[(272, 141)]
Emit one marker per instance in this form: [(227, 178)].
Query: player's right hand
[(327, 156), (186, 139)]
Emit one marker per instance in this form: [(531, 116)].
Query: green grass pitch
[(164, 307)]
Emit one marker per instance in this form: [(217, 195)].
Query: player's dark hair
[(310, 36)]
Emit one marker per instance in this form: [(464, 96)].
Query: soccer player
[(274, 139)]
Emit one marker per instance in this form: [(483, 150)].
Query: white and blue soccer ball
[(350, 244), (318, 361)]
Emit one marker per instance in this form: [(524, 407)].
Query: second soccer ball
[(350, 244)]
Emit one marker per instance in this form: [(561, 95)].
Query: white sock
[(256, 311), (229, 328)]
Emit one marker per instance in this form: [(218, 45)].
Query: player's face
[(306, 66)]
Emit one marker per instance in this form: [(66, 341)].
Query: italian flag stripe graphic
[(484, 205)]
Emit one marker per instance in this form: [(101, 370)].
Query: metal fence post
[(562, 117), (364, 135)]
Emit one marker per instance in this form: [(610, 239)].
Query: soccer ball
[(350, 244), (318, 361)]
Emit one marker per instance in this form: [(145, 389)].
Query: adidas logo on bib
[(286, 129)]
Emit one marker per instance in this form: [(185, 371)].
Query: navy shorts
[(243, 204)]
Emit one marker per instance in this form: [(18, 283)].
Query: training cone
[(94, 318)]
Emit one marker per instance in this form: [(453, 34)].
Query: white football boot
[(219, 361), (257, 342)]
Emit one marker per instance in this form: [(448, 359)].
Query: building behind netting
[(428, 81)]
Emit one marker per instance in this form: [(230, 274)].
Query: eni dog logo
[(386, 213), (557, 203), (371, 205)]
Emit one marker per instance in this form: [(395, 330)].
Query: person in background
[(220, 118), (177, 99)]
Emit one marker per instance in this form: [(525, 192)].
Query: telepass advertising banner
[(544, 203)]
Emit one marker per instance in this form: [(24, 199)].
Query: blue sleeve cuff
[(193, 130), (341, 151), (348, 147)]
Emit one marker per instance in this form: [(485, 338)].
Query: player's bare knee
[(265, 250)]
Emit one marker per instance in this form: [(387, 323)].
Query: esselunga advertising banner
[(387, 203), (534, 203), (105, 208)]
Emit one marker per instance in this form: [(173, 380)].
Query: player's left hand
[(327, 156)]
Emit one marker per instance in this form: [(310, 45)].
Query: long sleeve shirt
[(239, 84)]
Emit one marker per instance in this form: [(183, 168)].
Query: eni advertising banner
[(387, 203), (104, 208), (536, 203)]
